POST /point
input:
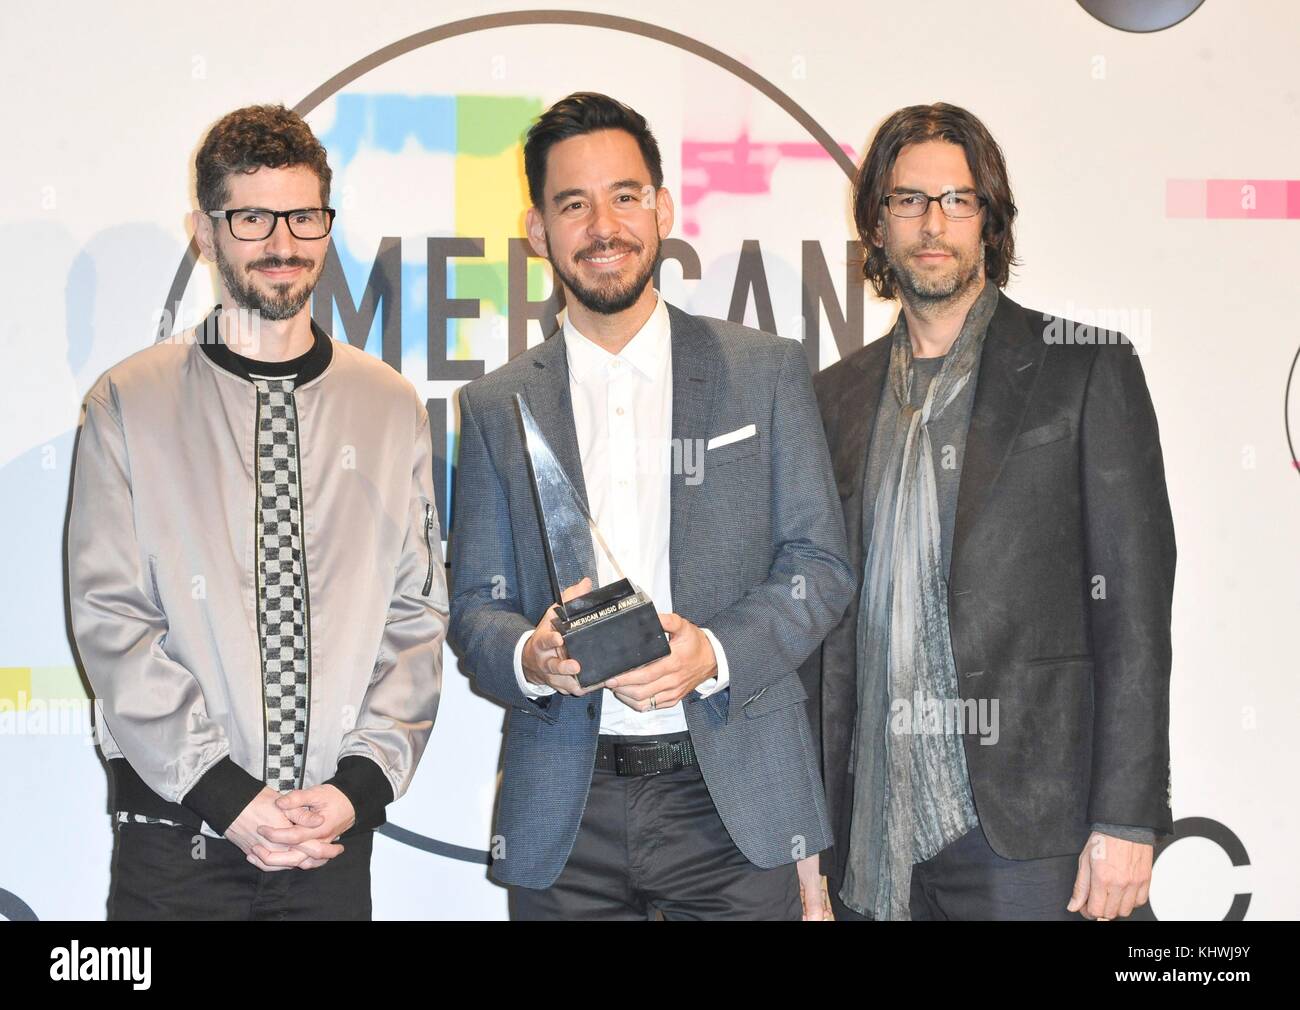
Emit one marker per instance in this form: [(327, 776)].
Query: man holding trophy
[(647, 545)]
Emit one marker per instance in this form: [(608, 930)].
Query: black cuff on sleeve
[(367, 788), (221, 794)]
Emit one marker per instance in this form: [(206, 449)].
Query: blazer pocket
[(731, 452), (1057, 661), (1044, 434), (789, 691)]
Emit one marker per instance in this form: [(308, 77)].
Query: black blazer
[(1059, 593)]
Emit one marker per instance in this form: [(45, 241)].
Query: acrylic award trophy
[(615, 627)]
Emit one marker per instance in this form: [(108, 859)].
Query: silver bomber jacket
[(162, 577)]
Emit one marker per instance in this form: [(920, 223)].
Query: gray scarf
[(911, 792)]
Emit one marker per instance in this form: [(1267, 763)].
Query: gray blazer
[(757, 556)]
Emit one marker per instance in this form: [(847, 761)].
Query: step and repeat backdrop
[(1154, 151)]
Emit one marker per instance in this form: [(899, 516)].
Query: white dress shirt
[(623, 417)]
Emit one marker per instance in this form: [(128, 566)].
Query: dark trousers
[(655, 844), (165, 872), (967, 880)]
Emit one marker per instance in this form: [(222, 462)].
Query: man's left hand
[(670, 678), (311, 846), (1114, 878)]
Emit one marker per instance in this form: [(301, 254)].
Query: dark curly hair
[(579, 113), (257, 136), (917, 124)]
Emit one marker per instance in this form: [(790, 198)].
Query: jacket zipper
[(428, 546), (257, 564)]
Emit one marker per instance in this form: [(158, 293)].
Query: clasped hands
[(659, 684), (300, 828)]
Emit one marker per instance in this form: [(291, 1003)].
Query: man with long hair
[(995, 702)]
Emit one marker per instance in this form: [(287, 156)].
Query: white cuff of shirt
[(723, 677), (530, 689)]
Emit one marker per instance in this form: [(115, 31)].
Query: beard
[(610, 294), (284, 302), (935, 288)]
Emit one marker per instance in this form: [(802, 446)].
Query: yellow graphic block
[(21, 685), (16, 686)]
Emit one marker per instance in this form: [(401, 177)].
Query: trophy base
[(611, 630)]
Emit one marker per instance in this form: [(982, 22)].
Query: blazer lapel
[(695, 377), (1009, 365), (547, 393)]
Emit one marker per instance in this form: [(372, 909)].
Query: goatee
[(286, 301), (927, 289), (609, 297)]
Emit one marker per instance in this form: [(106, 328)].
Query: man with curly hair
[(255, 569)]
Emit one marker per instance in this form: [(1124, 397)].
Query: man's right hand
[(543, 657), (812, 890), (261, 812)]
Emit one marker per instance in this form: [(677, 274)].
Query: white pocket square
[(748, 431)]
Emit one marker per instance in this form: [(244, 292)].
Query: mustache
[(278, 262), (605, 249), (931, 248)]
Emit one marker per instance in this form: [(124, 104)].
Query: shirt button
[(619, 412)]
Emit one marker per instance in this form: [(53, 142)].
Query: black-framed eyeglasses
[(254, 224), (955, 204)]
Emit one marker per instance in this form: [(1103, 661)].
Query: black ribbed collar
[(307, 367)]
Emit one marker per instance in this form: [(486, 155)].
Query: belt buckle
[(620, 761)]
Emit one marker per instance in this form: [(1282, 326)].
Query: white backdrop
[(1151, 171)]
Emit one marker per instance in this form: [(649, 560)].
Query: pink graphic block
[(739, 166), (1185, 198), (1245, 198), (1233, 199)]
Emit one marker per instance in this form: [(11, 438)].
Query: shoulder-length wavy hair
[(914, 125)]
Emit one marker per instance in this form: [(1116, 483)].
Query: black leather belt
[(651, 757)]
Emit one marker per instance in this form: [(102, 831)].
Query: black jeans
[(967, 880), (654, 844), (164, 872)]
